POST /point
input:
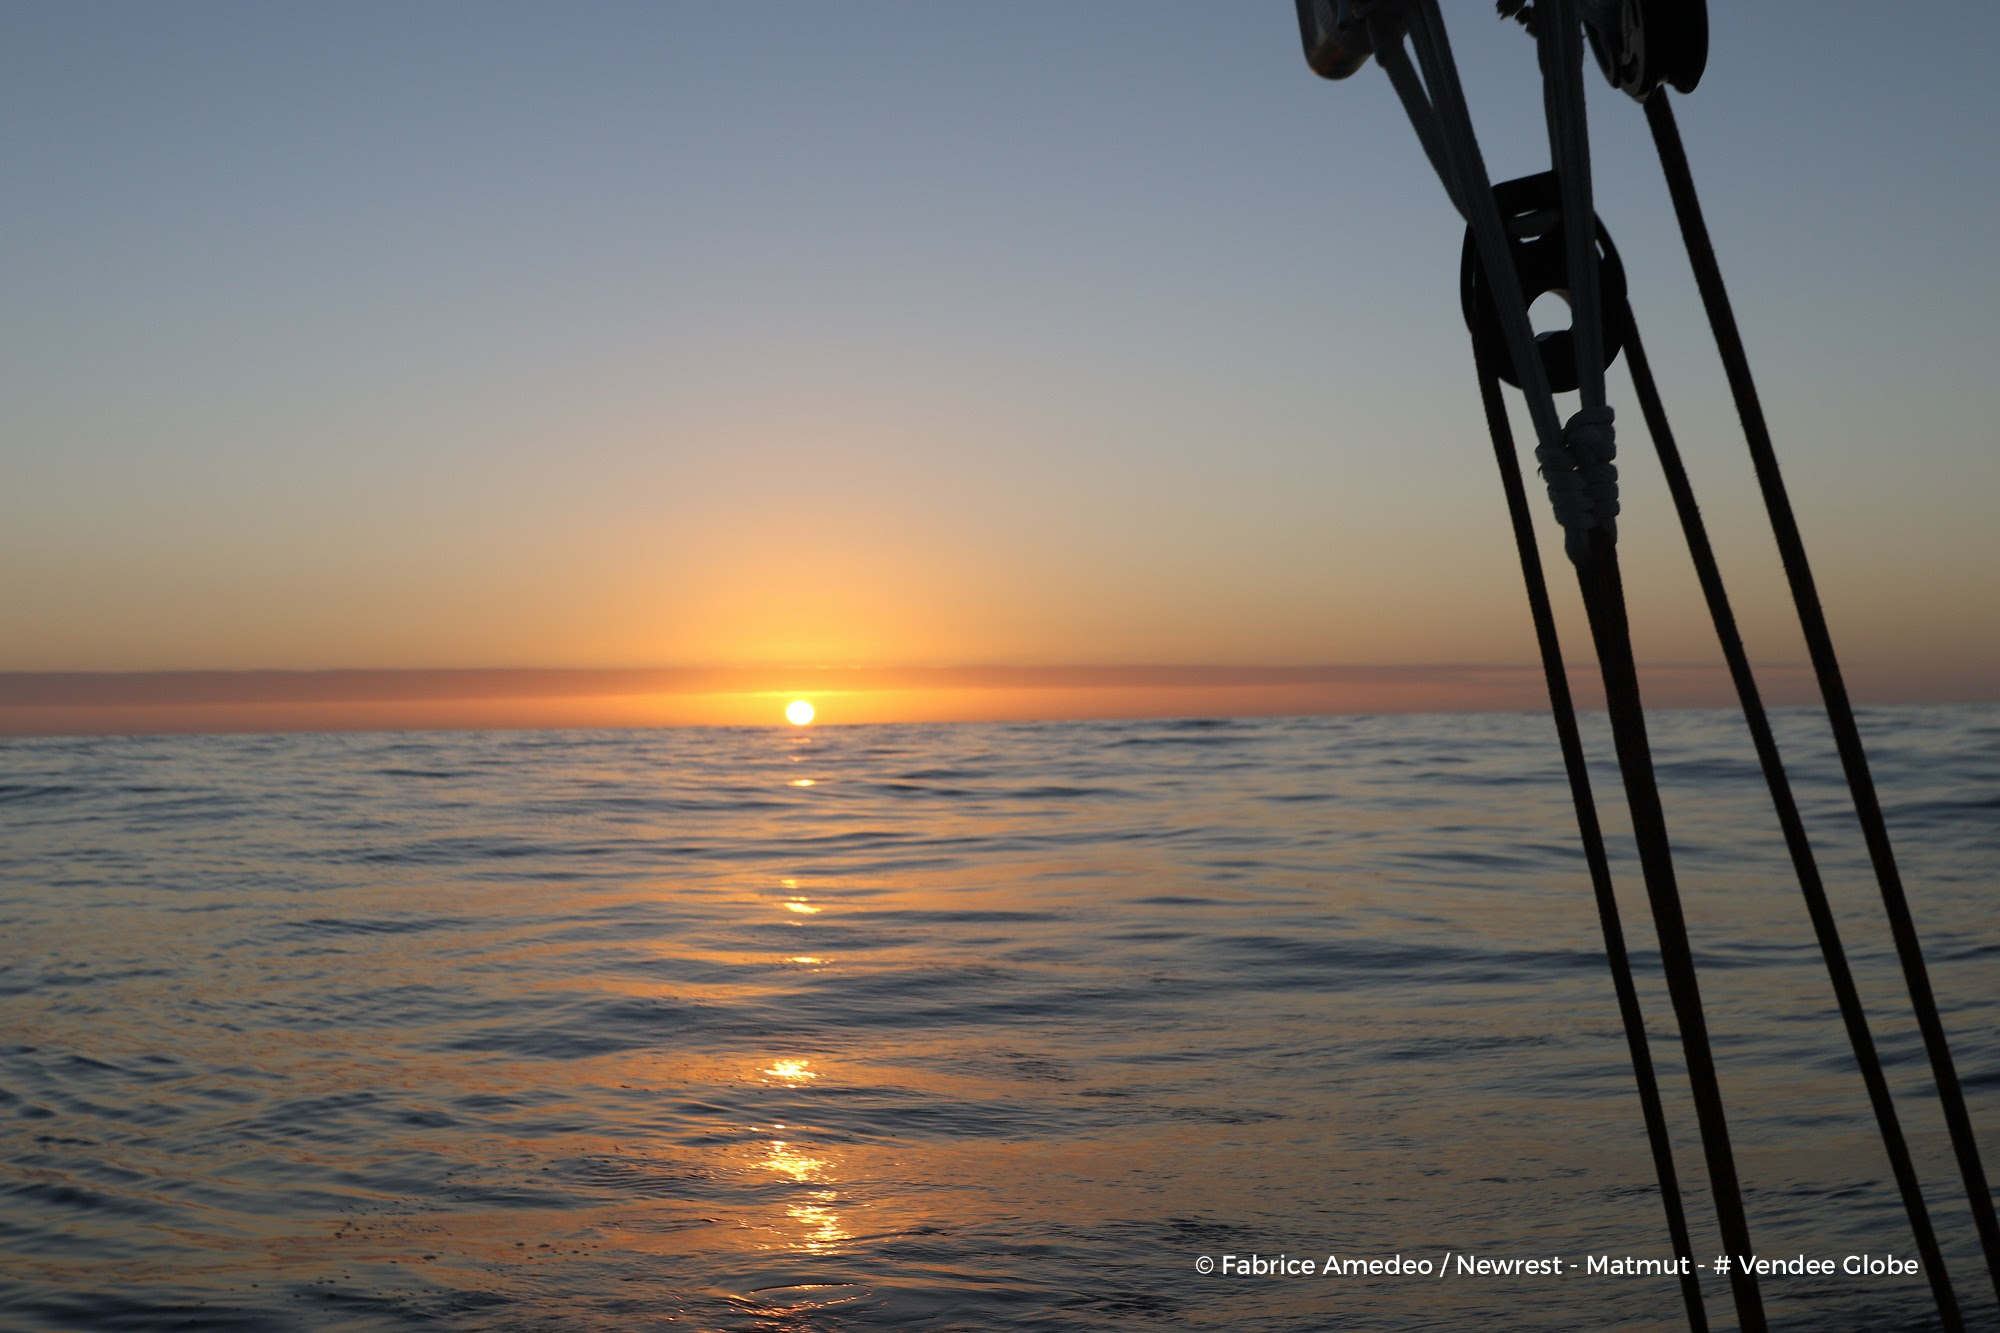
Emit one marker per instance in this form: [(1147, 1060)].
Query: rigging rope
[(1821, 911), (1596, 561), (1564, 710), (1560, 44), (1604, 606), (1826, 666)]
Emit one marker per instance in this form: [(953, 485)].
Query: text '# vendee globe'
[(1455, 1264)]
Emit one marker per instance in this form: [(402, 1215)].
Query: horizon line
[(252, 685), (264, 700)]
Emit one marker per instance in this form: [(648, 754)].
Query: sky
[(674, 335)]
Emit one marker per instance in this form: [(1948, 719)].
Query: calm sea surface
[(937, 1027)]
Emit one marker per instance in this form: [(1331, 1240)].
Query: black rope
[(1597, 570), (1604, 604), (1564, 710), (1560, 43), (1817, 906), (1819, 644)]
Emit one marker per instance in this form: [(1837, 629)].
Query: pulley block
[(1641, 44), (1531, 208)]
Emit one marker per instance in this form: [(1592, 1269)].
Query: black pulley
[(1645, 43), (1335, 41), (1531, 208)]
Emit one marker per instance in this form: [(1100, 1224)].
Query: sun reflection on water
[(793, 1071), (815, 1225), (823, 1229), (786, 1161)]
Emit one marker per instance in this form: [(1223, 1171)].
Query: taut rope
[(1826, 666)]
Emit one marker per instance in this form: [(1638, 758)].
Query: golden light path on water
[(817, 1227)]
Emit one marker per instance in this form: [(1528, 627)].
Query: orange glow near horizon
[(275, 702)]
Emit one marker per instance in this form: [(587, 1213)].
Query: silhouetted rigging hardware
[(1540, 234), (1531, 208)]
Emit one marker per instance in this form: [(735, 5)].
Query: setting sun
[(798, 712)]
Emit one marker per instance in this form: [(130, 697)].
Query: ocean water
[(939, 1027)]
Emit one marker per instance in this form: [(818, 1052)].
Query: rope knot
[(1582, 479)]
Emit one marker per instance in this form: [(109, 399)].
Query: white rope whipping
[(1582, 478)]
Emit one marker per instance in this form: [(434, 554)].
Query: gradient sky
[(608, 334)]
